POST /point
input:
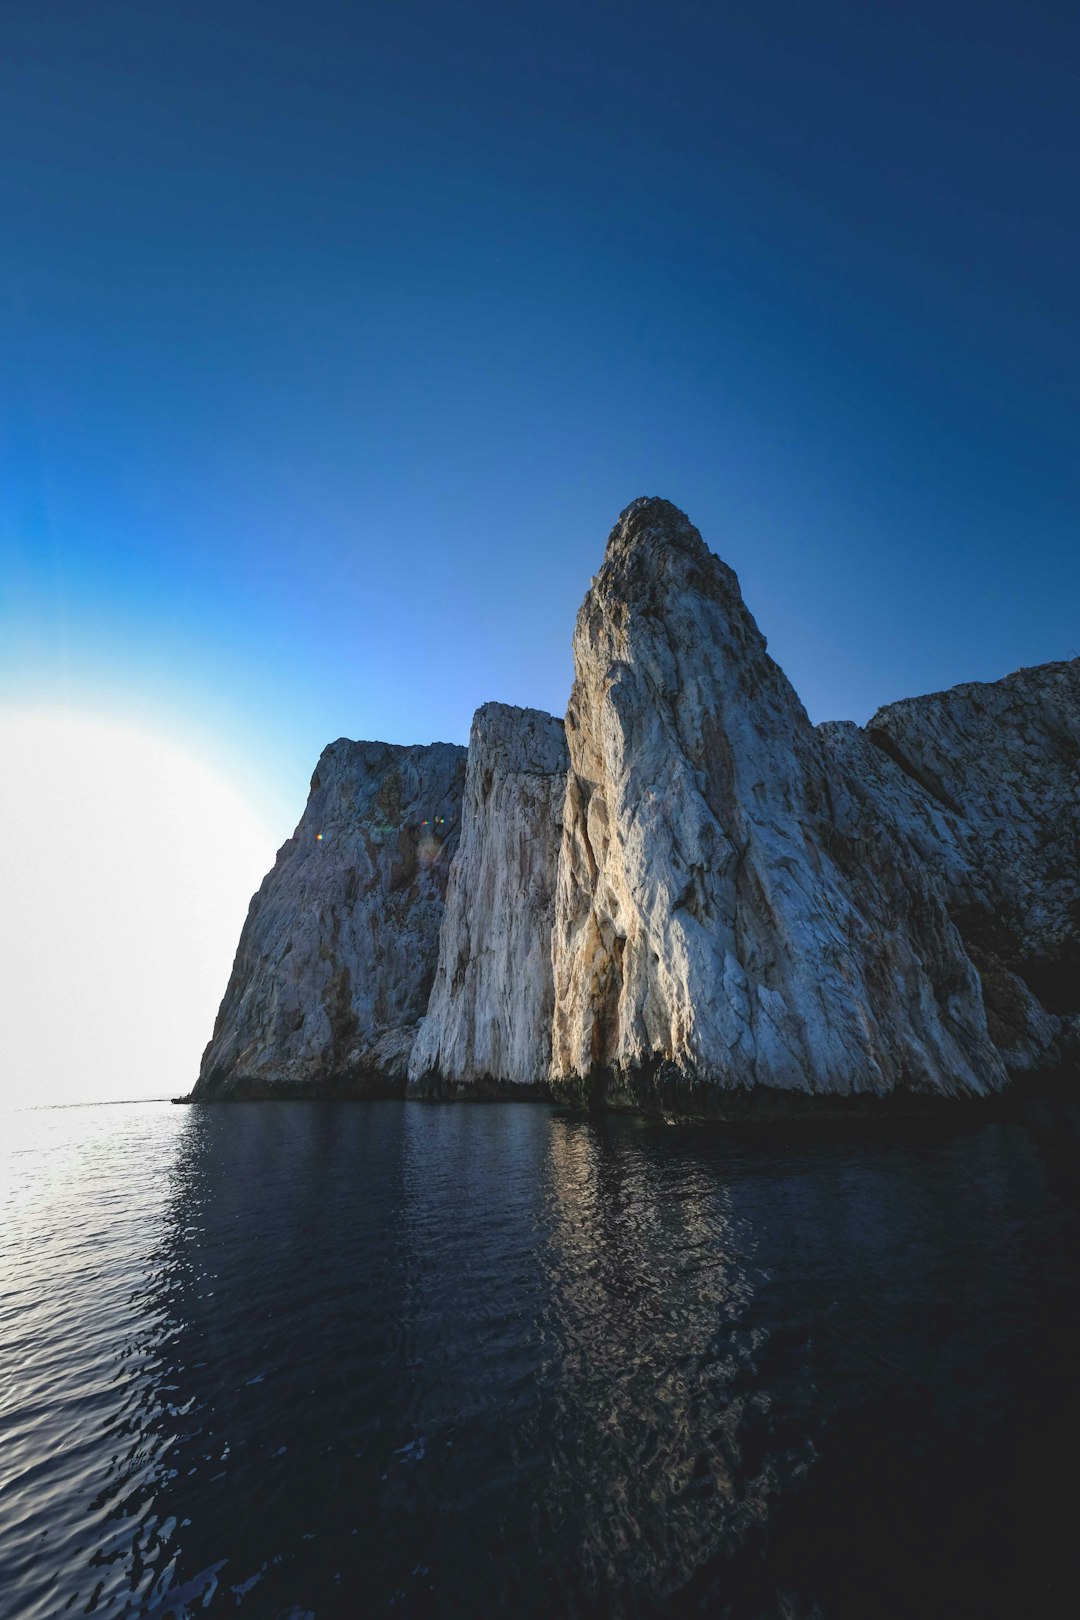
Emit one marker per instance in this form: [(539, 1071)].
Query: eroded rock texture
[(488, 1025), (731, 912), (695, 902), (1005, 758), (985, 781), (339, 949)]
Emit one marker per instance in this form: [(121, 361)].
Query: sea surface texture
[(406, 1359)]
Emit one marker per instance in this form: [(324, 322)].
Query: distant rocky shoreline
[(687, 900)]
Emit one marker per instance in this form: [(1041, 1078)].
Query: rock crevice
[(488, 1023)]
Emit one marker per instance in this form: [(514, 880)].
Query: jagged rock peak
[(652, 520), (641, 543), (712, 932), (654, 555)]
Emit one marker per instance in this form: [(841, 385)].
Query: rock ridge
[(688, 900), (713, 932)]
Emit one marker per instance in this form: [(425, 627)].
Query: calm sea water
[(385, 1358)]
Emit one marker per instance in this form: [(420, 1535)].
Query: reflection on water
[(656, 1385), (405, 1359)]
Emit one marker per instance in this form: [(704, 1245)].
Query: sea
[(358, 1359)]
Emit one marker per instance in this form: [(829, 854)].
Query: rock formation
[(1004, 757), (958, 846), (488, 1024), (696, 902), (339, 949), (720, 925)]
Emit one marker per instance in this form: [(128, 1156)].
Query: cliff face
[(718, 925), (695, 901), (338, 952), (1004, 758), (949, 843), (488, 1024)]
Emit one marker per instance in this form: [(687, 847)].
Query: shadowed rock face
[(998, 867), (719, 925), (1006, 757), (694, 902), (488, 1025), (338, 953)]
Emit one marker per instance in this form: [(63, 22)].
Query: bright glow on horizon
[(126, 868)]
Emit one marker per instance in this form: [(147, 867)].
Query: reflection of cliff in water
[(486, 1361), (395, 1358), (659, 1455)]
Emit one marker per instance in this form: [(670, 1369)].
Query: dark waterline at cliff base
[(391, 1359), (768, 1106)]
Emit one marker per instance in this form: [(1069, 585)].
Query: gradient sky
[(335, 337)]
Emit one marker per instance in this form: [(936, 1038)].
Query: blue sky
[(334, 337)]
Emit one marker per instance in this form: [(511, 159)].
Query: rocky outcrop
[(695, 902), (488, 1024), (1003, 758), (339, 949), (882, 795), (728, 915)]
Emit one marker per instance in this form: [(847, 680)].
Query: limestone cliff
[(719, 926), (1004, 758), (488, 1024), (338, 952), (873, 791), (694, 902)]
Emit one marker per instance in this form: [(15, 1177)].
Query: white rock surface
[(488, 1025), (695, 902), (717, 926), (338, 953)]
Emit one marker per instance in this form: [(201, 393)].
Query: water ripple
[(424, 1361)]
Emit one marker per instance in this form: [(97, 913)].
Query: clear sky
[(334, 336)]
